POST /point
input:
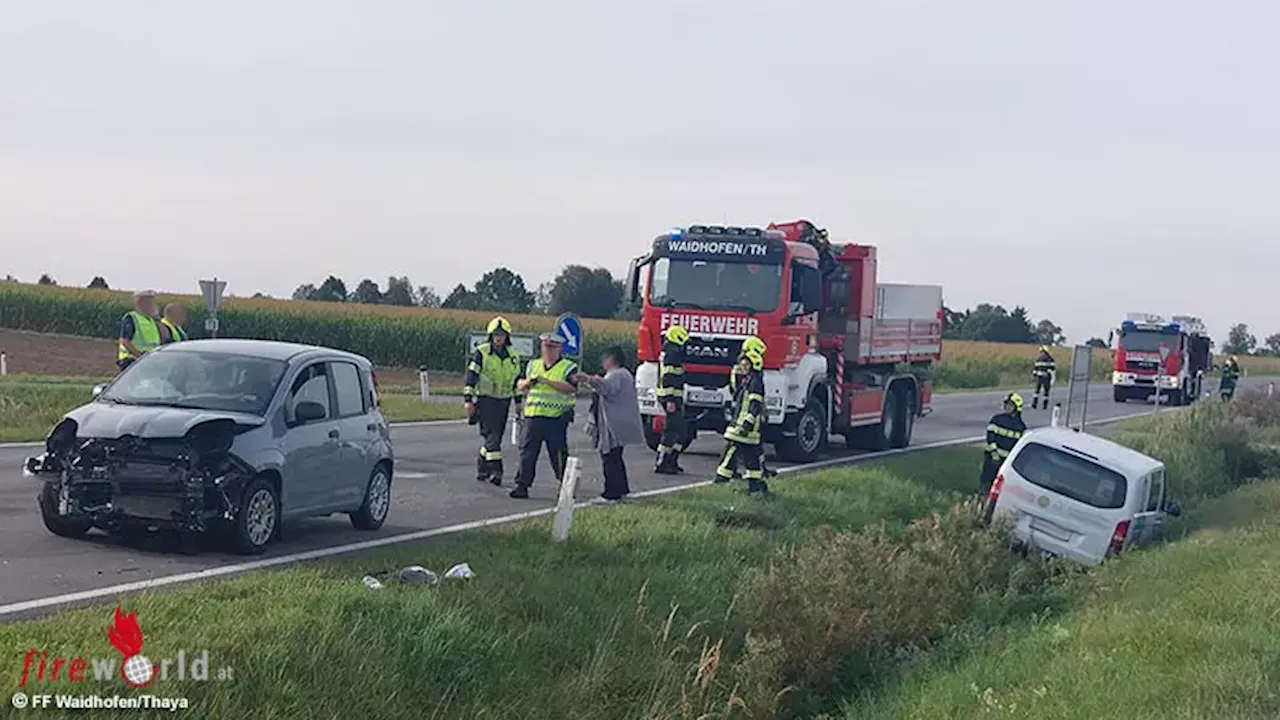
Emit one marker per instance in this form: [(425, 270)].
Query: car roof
[(269, 349), (1108, 452)]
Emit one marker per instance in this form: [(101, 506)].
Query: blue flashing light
[(1129, 325), (1173, 327)]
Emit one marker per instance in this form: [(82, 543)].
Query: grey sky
[(1082, 158)]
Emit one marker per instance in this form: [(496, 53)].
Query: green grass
[(30, 405), (1187, 631)]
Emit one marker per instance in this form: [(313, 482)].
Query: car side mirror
[(1171, 508), (308, 411), (97, 389)]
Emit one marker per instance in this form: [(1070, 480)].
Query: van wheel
[(811, 435), (67, 526), (377, 501), (257, 523)]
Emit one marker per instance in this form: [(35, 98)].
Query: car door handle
[(334, 434), (372, 427)]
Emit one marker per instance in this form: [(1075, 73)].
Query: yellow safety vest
[(175, 331), (544, 400), (146, 336), (495, 375)]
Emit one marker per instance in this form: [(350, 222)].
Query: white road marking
[(412, 475), (239, 568)]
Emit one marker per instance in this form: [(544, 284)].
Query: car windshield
[(198, 380), (713, 285), (1070, 475), (1147, 340)]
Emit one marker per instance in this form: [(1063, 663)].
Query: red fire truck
[(846, 355), (1137, 370)]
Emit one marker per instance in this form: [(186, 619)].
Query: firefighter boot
[(757, 487)]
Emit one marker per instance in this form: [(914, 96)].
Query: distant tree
[(502, 290), (427, 297), (399, 292), (1097, 342), (10, 278), (542, 298), (1273, 344), (460, 298), (590, 293), (331, 290), (305, 292), (1047, 333), (367, 293), (46, 279), (261, 296), (953, 323), (99, 283), (1239, 341), (992, 323)]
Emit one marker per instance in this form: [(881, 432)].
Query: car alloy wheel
[(260, 518), (379, 495)]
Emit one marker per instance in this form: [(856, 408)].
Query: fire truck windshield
[(713, 285), (1147, 340)]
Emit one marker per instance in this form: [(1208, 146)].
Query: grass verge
[(705, 604)]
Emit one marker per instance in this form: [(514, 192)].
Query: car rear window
[(1070, 475)]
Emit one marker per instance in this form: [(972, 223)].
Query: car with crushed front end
[(233, 437)]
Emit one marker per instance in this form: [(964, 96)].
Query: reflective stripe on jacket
[(146, 336), (748, 410), (492, 374), (544, 400), (1003, 432)]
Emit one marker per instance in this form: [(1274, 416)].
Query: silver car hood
[(108, 421)]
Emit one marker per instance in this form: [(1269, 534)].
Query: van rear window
[(1075, 477)]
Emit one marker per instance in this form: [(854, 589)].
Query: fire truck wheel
[(906, 416), (1119, 395), (810, 438)]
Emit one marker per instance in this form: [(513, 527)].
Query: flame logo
[(125, 634)]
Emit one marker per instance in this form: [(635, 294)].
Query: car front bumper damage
[(185, 484)]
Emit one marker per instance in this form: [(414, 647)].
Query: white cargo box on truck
[(907, 323)]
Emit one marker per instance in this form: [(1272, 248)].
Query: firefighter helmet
[(676, 334), (498, 323), (756, 358), (1015, 400), (755, 344)]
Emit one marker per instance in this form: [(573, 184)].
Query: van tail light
[(996, 487), (1118, 537)]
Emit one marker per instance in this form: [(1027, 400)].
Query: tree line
[(595, 293)]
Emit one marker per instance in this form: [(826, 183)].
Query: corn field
[(409, 337)]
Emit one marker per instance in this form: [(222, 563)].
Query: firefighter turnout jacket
[(1046, 366), (748, 409), (1003, 432), (492, 373), (671, 372)]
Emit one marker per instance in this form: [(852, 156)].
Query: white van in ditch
[(1080, 496)]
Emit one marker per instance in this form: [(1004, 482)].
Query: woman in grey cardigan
[(615, 421)]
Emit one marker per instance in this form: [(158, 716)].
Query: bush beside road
[(701, 604)]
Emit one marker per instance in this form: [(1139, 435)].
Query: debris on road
[(418, 575), (372, 582), (461, 571)]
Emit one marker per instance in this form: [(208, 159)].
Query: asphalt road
[(434, 487)]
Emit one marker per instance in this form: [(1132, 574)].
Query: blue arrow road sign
[(569, 327)]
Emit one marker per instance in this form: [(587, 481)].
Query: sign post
[(1078, 389), (1164, 355), (212, 291)]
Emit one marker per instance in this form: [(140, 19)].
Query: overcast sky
[(1084, 158)]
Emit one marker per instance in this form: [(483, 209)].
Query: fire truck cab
[(845, 355), (1139, 372)]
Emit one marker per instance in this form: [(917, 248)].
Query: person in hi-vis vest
[(491, 384), (550, 387), (139, 330)]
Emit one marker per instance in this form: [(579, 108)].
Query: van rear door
[(1067, 502), (1148, 522)]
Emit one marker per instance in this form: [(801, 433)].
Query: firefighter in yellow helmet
[(1045, 370), (752, 344), (1230, 376), (490, 387), (671, 396), (1003, 432), (746, 421)]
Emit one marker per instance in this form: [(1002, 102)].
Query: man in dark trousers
[(491, 383), (1003, 432), (550, 386), (671, 395), (1045, 370), (743, 434)]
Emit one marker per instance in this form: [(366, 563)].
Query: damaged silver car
[(228, 436)]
